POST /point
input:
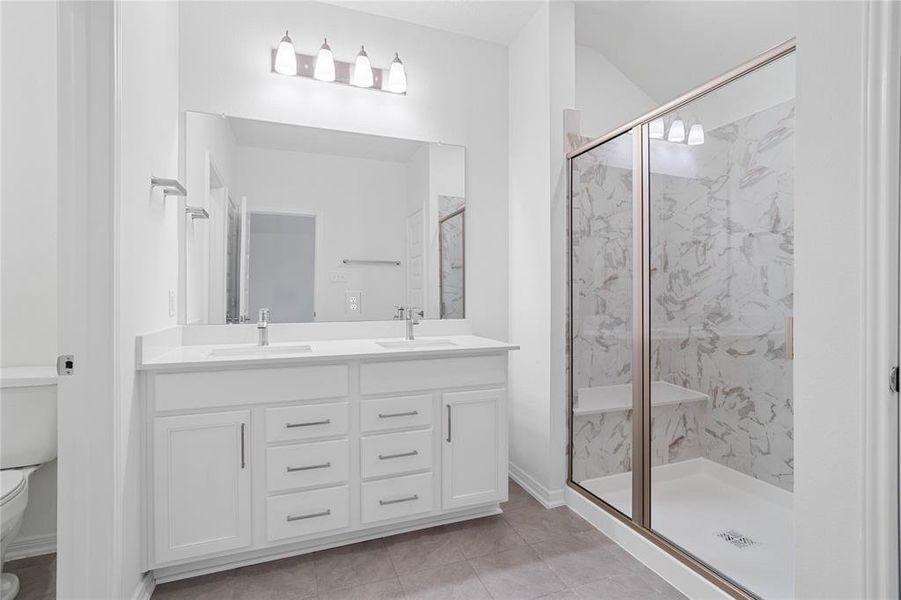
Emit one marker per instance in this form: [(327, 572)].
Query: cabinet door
[(472, 456), (201, 491)]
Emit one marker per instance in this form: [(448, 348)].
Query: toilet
[(27, 441)]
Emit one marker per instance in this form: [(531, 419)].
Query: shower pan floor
[(739, 525)]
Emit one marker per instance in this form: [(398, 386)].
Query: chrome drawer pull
[(292, 425), (401, 455), (324, 513), (407, 499), (322, 466), (411, 413)]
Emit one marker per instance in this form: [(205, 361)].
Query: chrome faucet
[(263, 327), (412, 316)]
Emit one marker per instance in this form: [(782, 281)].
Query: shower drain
[(735, 538)]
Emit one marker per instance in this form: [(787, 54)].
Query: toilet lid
[(11, 483)]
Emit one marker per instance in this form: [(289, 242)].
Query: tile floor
[(527, 552)]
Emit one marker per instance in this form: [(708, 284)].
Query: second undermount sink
[(421, 343), (254, 350)]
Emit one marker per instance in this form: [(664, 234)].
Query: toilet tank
[(27, 416)]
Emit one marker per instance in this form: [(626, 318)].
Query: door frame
[(90, 514)]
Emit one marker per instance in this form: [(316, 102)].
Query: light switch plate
[(353, 302)]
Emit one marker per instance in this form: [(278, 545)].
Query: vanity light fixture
[(325, 63), (656, 129), (285, 57), (676, 131), (696, 135), (362, 75), (397, 76), (323, 67)]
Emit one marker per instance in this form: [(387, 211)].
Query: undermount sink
[(254, 350), (424, 343)]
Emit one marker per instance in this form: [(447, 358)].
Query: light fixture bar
[(306, 66)]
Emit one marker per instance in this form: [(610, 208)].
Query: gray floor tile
[(458, 581), (487, 535), (539, 524), (424, 549), (630, 587), (216, 586), (517, 574), (353, 565), (389, 589), (564, 595), (287, 579), (583, 558), (37, 576), (518, 498)]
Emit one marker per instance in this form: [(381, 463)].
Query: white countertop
[(199, 356)]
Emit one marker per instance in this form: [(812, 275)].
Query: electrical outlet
[(337, 277), (171, 303), (353, 302)]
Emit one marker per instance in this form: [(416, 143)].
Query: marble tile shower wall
[(722, 270)]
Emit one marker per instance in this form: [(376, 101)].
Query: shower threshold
[(739, 525)]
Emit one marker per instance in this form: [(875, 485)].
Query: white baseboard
[(145, 589), (31, 546), (549, 498), (678, 575)]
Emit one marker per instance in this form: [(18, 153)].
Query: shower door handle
[(790, 338)]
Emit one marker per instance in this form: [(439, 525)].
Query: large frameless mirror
[(319, 225)]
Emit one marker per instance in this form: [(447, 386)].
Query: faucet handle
[(399, 311), (264, 315)]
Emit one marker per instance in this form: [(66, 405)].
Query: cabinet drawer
[(306, 465), (395, 413), (306, 513), (396, 453), (399, 376), (306, 422), (396, 497)]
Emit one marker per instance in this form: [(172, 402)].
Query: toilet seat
[(12, 482)]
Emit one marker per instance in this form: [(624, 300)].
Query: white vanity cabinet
[(260, 459)]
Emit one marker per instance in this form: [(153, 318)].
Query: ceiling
[(296, 138), (489, 20), (667, 47)]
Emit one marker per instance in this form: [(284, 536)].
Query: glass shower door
[(602, 305), (720, 298)]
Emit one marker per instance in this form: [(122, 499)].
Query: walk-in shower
[(681, 271)]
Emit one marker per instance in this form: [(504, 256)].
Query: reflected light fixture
[(325, 63), (696, 135), (285, 57), (397, 76), (362, 76), (676, 131), (655, 129)]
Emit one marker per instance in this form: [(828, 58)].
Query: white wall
[(606, 97), (541, 87), (147, 233), (457, 94), (361, 207), (28, 223), (829, 303)]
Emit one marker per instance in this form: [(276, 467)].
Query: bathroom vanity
[(257, 453)]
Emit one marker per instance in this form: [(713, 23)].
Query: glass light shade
[(325, 63), (285, 57), (362, 70), (655, 129), (676, 131), (397, 76), (696, 135)]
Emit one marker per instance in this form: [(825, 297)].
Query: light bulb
[(696, 135), (325, 63), (362, 70), (397, 76), (676, 131), (655, 129), (285, 57)]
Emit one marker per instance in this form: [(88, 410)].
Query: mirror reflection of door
[(451, 234), (282, 266), (232, 262)]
